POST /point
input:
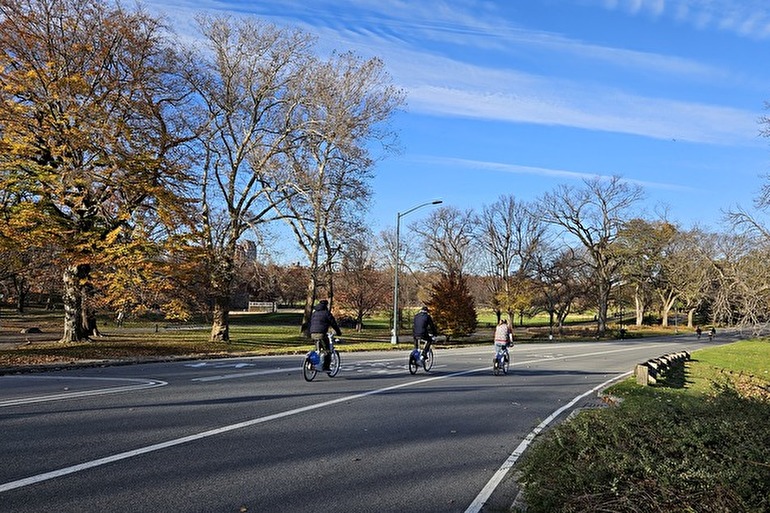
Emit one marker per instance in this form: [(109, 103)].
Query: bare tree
[(561, 282), (446, 238), (741, 263), (246, 80), (346, 103), (747, 283), (740, 291), (364, 287), (411, 259), (510, 236), (594, 215)]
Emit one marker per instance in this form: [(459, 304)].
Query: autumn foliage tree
[(89, 133), (641, 248), (364, 287), (452, 306)]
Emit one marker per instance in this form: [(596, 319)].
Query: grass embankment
[(698, 442), (250, 334), (262, 334)]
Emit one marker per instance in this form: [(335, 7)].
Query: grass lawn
[(698, 442), (250, 334)]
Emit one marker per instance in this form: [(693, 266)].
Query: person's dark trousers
[(327, 352), (428, 342)]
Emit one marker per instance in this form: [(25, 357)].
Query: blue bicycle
[(314, 359), (416, 359), (501, 362)]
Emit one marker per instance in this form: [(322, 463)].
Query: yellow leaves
[(177, 310), (25, 224), (112, 236)]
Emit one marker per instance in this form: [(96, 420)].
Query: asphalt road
[(250, 434)]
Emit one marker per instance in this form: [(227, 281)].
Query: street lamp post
[(399, 215)]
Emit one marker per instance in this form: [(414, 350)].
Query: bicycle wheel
[(334, 366), (412, 364), (308, 370), (427, 363), (506, 364)]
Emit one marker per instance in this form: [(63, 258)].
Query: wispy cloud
[(598, 110), (476, 165), (746, 18), (409, 35), (446, 87)]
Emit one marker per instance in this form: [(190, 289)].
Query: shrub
[(665, 452)]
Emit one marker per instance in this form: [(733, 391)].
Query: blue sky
[(519, 96)]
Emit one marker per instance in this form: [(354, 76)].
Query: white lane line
[(356, 366), (527, 348), (365, 365), (498, 476), (486, 492), (191, 438), (241, 375), (4, 487), (136, 384)]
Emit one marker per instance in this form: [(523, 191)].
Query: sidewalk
[(12, 337)]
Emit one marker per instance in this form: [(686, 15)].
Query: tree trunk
[(329, 270), (20, 284), (92, 330), (309, 301), (73, 276), (604, 301), (220, 324), (667, 301), (639, 304), (221, 280), (561, 317)]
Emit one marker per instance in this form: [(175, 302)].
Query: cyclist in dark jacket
[(423, 329), (320, 321)]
